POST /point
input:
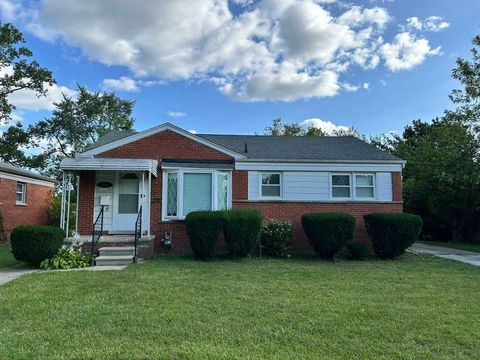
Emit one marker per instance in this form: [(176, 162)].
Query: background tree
[(77, 122), (18, 72), (278, 128)]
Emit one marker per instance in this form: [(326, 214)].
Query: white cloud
[(366, 86), (122, 84), (431, 23), (327, 126), (271, 50), (28, 100), (8, 10), (176, 114), (350, 88), (406, 52)]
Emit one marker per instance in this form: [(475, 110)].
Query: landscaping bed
[(176, 308)]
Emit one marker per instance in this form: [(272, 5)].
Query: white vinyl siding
[(384, 186), (316, 186), (104, 176)]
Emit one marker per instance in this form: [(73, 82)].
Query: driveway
[(466, 257)]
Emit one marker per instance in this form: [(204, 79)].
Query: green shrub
[(3, 235), (277, 239), (54, 213), (328, 233), (241, 229), (204, 228), (66, 258), (358, 250), (392, 233), (33, 244)]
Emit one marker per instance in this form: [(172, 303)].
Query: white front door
[(126, 202)]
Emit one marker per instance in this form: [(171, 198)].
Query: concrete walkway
[(11, 273), (467, 257), (14, 272)]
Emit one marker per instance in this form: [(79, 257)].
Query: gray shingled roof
[(8, 168), (111, 136), (322, 148)]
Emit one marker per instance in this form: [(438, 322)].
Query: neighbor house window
[(21, 193), (341, 186), (189, 190), (364, 188), (271, 185)]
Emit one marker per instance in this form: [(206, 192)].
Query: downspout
[(149, 201)]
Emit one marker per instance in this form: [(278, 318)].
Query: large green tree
[(79, 121), (279, 128), (18, 71)]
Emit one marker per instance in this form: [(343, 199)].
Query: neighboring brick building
[(24, 197), (170, 172)]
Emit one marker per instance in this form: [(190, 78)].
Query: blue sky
[(233, 66)]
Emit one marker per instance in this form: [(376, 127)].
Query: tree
[(278, 128), (17, 71), (468, 99), (78, 122), (12, 142), (441, 177)]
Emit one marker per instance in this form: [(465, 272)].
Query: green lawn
[(461, 246), (419, 307), (6, 257)]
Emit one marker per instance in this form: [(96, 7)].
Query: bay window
[(192, 190)]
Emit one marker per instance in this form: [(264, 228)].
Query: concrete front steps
[(111, 256)]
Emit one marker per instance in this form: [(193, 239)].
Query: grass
[(6, 257), (452, 245), (419, 307)]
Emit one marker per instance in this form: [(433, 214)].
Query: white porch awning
[(82, 163)]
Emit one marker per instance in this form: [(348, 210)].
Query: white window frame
[(24, 193), (373, 186), (180, 173), (353, 187), (350, 186), (260, 185)]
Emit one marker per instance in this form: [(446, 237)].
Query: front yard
[(6, 257), (176, 308)]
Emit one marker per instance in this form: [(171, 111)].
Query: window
[(364, 188), (197, 192), (191, 190), (341, 186), (21, 193), (128, 194), (172, 194), (271, 185)]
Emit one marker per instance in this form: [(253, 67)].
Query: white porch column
[(62, 205), (149, 200)]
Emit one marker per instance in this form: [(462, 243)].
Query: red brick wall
[(240, 185), (85, 202), (397, 186), (166, 145), (35, 211)]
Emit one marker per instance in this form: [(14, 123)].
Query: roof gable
[(117, 139)]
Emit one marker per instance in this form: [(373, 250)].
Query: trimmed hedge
[(328, 233), (204, 228), (33, 244), (392, 233), (241, 229), (277, 237), (358, 250)]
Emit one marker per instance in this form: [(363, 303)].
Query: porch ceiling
[(82, 163)]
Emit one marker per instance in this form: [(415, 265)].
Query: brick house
[(24, 197), (167, 172)]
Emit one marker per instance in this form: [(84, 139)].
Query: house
[(24, 197), (167, 172)]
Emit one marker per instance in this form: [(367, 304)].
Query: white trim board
[(25, 179), (332, 167), (156, 130)]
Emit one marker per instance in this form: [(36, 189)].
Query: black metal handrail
[(96, 234), (138, 233)]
